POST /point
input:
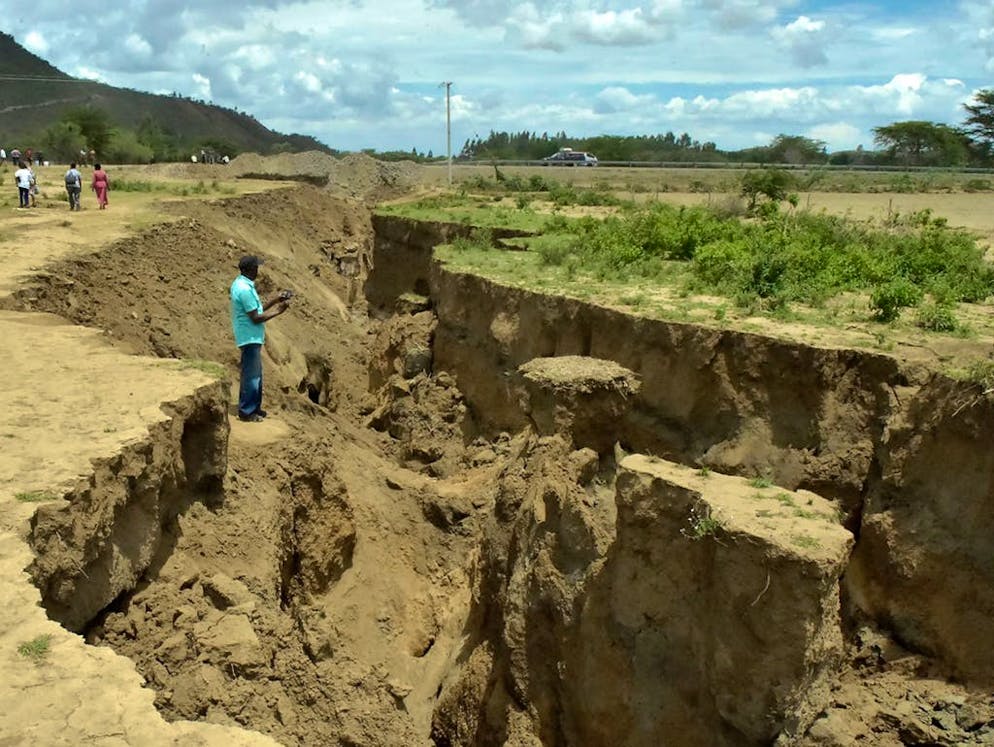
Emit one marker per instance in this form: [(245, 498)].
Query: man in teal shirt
[(248, 319)]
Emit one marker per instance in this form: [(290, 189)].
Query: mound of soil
[(353, 175)]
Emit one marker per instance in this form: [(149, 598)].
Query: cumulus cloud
[(35, 42), (358, 74), (804, 38), (619, 99), (626, 27), (892, 33), (737, 14), (837, 135), (902, 94), (980, 17), (533, 31), (88, 74), (203, 85)]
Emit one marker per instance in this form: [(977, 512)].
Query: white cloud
[(611, 27), (88, 74), (532, 31), (137, 45), (892, 33), (35, 42), (203, 85), (619, 99), (735, 14), (804, 38), (837, 135), (360, 74), (310, 82), (902, 94)]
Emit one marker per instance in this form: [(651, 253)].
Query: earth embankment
[(422, 544)]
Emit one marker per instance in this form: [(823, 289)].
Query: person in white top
[(23, 177)]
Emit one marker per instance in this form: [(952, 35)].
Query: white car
[(568, 157)]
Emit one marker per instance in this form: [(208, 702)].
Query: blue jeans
[(24, 195), (250, 390)]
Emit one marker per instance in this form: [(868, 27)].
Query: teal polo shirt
[(243, 299)]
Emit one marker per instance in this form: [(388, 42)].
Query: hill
[(35, 95)]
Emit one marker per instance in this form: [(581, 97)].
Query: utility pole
[(448, 125)]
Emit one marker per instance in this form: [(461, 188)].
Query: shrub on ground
[(791, 257)]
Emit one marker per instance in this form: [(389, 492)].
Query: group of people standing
[(27, 185), (30, 157)]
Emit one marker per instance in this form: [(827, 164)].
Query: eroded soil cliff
[(424, 545)]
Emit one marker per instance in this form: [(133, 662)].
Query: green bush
[(773, 184), (888, 299), (936, 317), (977, 185)]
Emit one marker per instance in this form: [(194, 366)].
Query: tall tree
[(979, 125), (918, 143), (797, 149), (93, 123)]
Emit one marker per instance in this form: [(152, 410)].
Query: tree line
[(90, 128), (908, 143)]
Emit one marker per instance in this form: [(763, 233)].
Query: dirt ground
[(331, 598)]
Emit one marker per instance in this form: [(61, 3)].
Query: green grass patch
[(36, 649), (211, 368), (36, 496), (787, 264), (805, 540), (785, 499), (702, 523)]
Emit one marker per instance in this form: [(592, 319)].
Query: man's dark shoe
[(253, 418), (261, 413)]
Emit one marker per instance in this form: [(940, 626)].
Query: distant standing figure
[(248, 319), (3, 155), (33, 192), (23, 178), (100, 185), (74, 186)]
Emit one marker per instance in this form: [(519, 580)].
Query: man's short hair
[(249, 262)]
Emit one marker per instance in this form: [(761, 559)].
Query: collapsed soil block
[(715, 620), (582, 398)]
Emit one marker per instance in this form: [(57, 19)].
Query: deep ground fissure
[(446, 557)]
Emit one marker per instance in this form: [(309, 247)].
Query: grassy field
[(894, 272), (722, 180)]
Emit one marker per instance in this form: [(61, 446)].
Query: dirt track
[(350, 588)]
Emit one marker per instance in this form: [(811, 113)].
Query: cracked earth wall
[(901, 448)]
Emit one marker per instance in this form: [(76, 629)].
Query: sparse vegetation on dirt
[(781, 258), (35, 496), (36, 649), (703, 522)]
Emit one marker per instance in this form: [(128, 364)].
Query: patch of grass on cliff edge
[(211, 368), (36, 649), (36, 496)]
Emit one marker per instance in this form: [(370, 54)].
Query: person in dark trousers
[(74, 186), (248, 319)]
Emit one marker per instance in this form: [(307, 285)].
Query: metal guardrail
[(737, 166)]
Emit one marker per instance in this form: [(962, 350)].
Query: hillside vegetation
[(36, 96)]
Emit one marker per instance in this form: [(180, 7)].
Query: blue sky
[(359, 74)]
